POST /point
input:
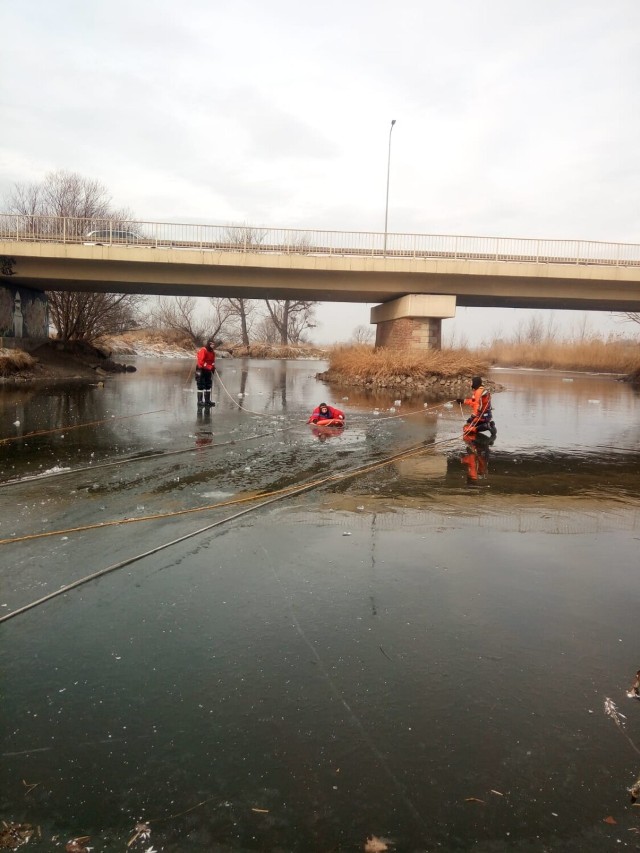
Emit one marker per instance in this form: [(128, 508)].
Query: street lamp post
[(386, 207)]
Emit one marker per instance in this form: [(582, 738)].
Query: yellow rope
[(77, 426), (233, 501)]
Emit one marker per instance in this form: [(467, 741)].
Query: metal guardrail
[(244, 238)]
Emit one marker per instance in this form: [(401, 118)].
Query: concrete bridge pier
[(24, 316), (413, 321)]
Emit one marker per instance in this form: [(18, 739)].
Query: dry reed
[(593, 355), (151, 336), (260, 350), (366, 364), (14, 361)]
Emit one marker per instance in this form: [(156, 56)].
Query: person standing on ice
[(480, 401), (205, 368)]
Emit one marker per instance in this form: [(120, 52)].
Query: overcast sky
[(513, 118)]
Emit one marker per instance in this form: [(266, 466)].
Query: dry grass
[(14, 361), (150, 337), (275, 351), (593, 355), (365, 364)]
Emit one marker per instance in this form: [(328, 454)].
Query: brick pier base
[(410, 333)]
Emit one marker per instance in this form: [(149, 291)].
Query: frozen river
[(417, 648)]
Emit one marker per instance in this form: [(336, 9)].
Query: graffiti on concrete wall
[(23, 313)]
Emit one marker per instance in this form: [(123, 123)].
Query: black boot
[(200, 398), (207, 399)]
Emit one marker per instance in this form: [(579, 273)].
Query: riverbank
[(54, 361), (445, 372), (167, 344)]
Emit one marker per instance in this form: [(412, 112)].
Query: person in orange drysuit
[(326, 413), (480, 401), (205, 368)]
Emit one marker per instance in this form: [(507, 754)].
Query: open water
[(415, 653)]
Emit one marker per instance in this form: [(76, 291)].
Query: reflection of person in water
[(204, 436), (322, 433), (476, 460)]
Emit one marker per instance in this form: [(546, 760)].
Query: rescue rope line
[(77, 426), (423, 410), (191, 369), (231, 502), (273, 497), (244, 408), (160, 454)]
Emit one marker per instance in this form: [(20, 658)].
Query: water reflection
[(324, 433), (204, 433), (373, 658), (476, 460)]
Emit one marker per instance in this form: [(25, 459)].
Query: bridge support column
[(24, 316), (413, 321)]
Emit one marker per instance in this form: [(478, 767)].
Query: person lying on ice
[(480, 401), (325, 414)]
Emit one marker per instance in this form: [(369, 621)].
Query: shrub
[(14, 361)]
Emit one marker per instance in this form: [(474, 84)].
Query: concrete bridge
[(417, 279)]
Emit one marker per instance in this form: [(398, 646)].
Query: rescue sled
[(337, 423)]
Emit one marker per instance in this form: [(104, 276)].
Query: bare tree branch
[(363, 335), (189, 316), (243, 313), (630, 316), (291, 318), (76, 316)]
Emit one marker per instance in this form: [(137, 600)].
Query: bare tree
[(64, 194), (199, 320), (363, 335), (291, 318), (244, 312), (76, 316), (87, 316), (244, 236), (266, 332)]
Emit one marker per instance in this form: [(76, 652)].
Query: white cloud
[(511, 120)]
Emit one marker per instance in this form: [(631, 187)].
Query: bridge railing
[(245, 238)]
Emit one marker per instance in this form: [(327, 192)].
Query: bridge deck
[(161, 258)]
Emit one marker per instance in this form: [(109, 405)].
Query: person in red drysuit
[(205, 368), (326, 413)]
